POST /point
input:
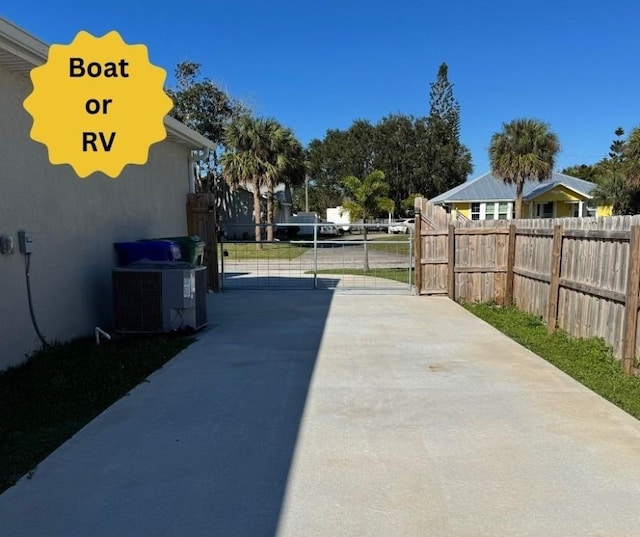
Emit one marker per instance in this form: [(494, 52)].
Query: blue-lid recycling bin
[(156, 250)]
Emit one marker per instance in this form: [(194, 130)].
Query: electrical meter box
[(25, 242)]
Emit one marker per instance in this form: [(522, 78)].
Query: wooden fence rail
[(580, 275)]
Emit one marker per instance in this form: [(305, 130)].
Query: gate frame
[(315, 242)]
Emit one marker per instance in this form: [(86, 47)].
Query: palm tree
[(367, 198), (287, 156), (631, 152), (612, 190), (273, 138), (525, 149), (249, 159)]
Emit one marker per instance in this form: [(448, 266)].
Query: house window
[(544, 210), (503, 211), (590, 209), (475, 211), (489, 211), (576, 210)]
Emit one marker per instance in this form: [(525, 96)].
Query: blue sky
[(320, 65)]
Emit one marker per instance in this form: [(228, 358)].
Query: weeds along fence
[(581, 275)]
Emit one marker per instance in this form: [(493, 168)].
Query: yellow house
[(489, 198)]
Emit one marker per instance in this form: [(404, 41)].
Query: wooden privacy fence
[(579, 274), (202, 221)]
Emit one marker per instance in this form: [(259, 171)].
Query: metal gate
[(317, 256)]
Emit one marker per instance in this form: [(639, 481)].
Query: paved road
[(335, 414)]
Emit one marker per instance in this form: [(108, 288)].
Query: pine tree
[(449, 160)]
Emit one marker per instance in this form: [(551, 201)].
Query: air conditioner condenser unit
[(159, 297)]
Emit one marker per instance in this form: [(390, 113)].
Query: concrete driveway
[(308, 414)]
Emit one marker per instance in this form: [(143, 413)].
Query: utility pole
[(306, 193)]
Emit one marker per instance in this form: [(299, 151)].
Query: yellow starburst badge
[(98, 104)]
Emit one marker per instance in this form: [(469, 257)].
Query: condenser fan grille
[(138, 301)]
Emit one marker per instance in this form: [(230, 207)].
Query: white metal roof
[(489, 188)]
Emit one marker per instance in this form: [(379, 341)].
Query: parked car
[(403, 226), (286, 232), (329, 229)]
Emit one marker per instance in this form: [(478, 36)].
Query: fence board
[(417, 250), (582, 291), (556, 259), (452, 262), (631, 311)]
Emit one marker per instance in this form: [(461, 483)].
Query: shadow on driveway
[(203, 448)]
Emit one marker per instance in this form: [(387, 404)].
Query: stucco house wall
[(74, 223)]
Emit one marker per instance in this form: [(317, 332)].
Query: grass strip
[(57, 391), (402, 247), (589, 361), (246, 251)]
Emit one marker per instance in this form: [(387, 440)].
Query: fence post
[(417, 242), (191, 204), (221, 260), (451, 263), (212, 262), (315, 254), (511, 259), (554, 288), (631, 302)]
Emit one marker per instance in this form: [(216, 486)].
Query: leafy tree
[(324, 168), (201, 105), (319, 198), (367, 198), (397, 145), (342, 153), (618, 184), (583, 171), (416, 154), (612, 190), (409, 204), (524, 150), (401, 146)]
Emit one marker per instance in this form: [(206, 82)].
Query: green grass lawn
[(46, 400), (401, 246), (396, 274), (246, 251), (243, 251), (589, 361)]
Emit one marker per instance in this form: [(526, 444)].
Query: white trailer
[(340, 217)]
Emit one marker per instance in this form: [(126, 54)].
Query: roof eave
[(529, 197), (180, 133), (20, 52), (495, 200)]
